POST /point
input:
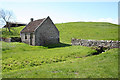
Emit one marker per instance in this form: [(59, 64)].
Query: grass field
[(104, 65), (18, 57), (20, 60), (87, 30)]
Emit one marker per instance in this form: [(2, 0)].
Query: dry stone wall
[(97, 43), (5, 39), (12, 39)]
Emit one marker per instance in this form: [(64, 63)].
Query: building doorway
[(31, 37)]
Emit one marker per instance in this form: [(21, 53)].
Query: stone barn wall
[(46, 34), (97, 43), (27, 40)]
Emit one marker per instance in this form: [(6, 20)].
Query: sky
[(61, 11)]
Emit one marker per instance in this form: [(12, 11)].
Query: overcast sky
[(62, 11)]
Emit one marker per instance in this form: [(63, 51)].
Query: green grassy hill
[(80, 30), (87, 30), (21, 60)]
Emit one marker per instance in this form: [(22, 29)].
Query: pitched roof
[(33, 25), (14, 24)]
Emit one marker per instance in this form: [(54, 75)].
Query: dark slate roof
[(33, 25), (14, 24)]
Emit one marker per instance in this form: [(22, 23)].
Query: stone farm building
[(40, 32)]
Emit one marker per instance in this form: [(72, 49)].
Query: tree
[(6, 17)]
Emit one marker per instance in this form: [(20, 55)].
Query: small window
[(51, 37), (25, 36)]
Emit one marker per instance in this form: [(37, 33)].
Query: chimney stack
[(31, 19)]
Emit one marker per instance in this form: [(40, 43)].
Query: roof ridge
[(32, 26), (38, 19), (40, 23)]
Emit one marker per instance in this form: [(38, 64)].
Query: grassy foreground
[(20, 60), (19, 55), (104, 65)]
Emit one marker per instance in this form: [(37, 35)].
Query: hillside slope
[(80, 30), (87, 30)]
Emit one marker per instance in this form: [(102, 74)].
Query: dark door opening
[(31, 37)]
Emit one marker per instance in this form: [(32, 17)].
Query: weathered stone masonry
[(97, 43), (40, 32)]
